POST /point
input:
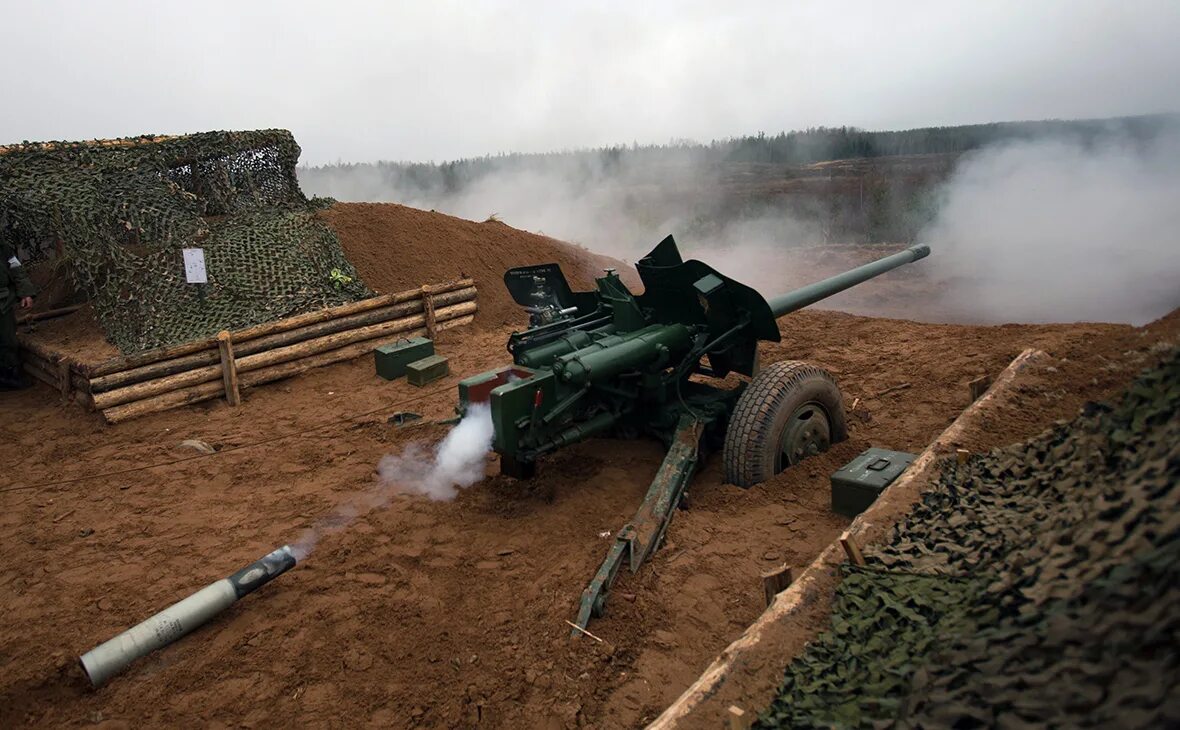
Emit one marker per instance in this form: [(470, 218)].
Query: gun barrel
[(804, 296)]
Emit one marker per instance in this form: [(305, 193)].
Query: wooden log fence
[(127, 387)]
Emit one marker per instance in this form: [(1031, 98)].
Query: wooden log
[(28, 355), (189, 362), (64, 383), (295, 367), (48, 314), (386, 314), (339, 339), (84, 399), (40, 373), (229, 371), (208, 391), (57, 369), (167, 401), (280, 325), (775, 582), (49, 366), (298, 350), (39, 349), (159, 369), (301, 320)]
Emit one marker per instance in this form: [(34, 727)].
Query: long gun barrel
[(812, 293)]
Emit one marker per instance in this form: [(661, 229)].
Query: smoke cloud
[(617, 207), (1059, 230), (1055, 228), (457, 461)]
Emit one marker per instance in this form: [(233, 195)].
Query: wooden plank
[(775, 582), (978, 387), (428, 310), (65, 383), (851, 549), (48, 314), (737, 719), (229, 369)]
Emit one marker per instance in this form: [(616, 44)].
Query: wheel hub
[(807, 433)]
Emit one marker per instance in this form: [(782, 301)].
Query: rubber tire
[(756, 426)]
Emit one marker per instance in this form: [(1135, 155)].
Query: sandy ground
[(443, 613), (436, 613)]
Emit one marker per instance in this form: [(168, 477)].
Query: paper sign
[(194, 266)]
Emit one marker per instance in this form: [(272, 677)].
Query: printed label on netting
[(194, 266)]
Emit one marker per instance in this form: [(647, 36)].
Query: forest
[(797, 147)]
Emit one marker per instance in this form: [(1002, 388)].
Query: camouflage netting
[(1035, 586), (120, 211)]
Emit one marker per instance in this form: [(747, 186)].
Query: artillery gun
[(612, 362)]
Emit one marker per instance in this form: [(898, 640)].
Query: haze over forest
[(1030, 221)]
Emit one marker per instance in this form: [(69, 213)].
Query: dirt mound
[(396, 248)]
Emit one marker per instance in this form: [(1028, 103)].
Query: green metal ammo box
[(427, 370), (857, 483), (393, 358)]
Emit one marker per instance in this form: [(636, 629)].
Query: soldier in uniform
[(15, 289)]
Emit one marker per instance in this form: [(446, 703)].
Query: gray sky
[(360, 81)]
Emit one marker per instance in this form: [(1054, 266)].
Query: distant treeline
[(827, 143), (785, 148), (702, 191)]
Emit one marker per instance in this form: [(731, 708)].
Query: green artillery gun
[(612, 362)]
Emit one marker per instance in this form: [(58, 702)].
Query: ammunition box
[(427, 370), (857, 483), (393, 358)]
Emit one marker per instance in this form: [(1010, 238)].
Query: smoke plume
[(617, 207), (1061, 230), (457, 461), (1048, 228)]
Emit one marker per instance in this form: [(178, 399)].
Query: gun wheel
[(790, 411)]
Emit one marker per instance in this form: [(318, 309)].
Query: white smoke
[(621, 208), (1061, 230), (457, 461)]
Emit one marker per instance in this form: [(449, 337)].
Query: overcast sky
[(361, 81)]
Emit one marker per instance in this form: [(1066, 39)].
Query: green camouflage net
[(120, 211), (1035, 586)]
